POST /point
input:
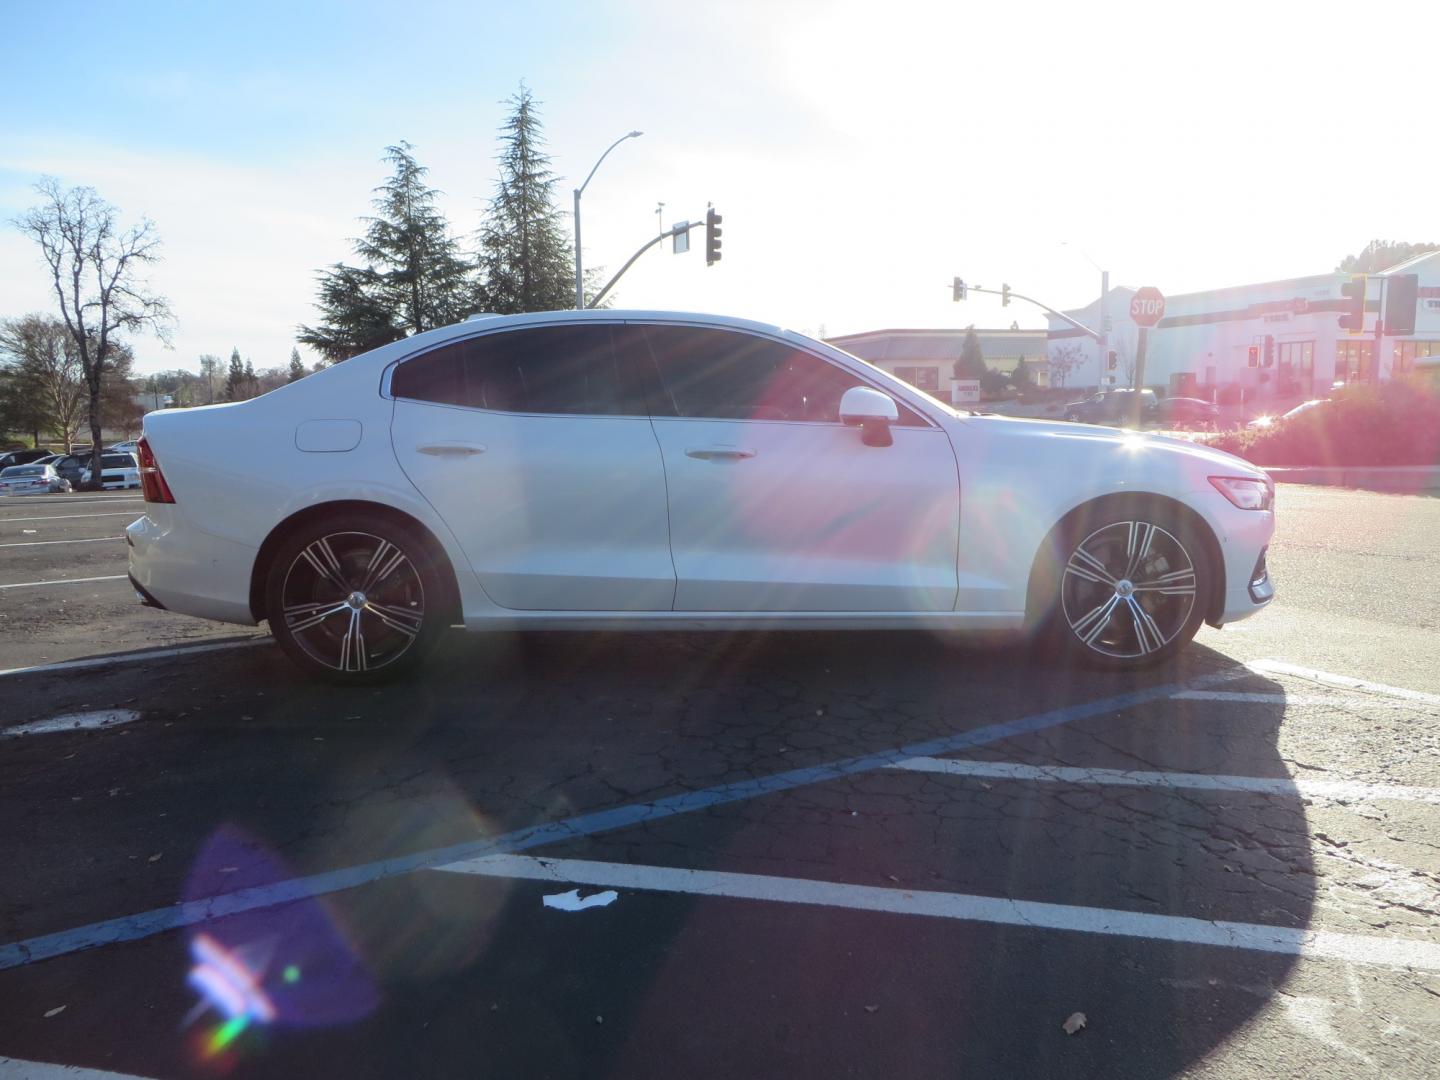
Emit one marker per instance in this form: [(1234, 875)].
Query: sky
[(862, 154)]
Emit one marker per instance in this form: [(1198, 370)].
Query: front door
[(777, 506), (534, 446)]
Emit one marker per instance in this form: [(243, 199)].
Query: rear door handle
[(450, 449), (721, 453)]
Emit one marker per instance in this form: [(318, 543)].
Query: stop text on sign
[(1147, 306)]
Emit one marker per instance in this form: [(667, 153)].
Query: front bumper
[(1244, 538)]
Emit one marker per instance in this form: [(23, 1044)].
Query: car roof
[(477, 324)]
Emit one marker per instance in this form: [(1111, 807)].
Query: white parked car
[(37, 478), (627, 470), (1298, 410), (130, 447), (116, 471)]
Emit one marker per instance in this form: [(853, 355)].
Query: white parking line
[(64, 581), (1323, 789), (132, 658), (72, 500), (42, 543), (1355, 948), (19, 1069), (72, 517), (1344, 682)]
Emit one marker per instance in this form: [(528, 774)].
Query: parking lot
[(818, 854)]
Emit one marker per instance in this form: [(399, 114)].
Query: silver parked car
[(32, 480)]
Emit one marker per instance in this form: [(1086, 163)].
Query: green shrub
[(1396, 423)]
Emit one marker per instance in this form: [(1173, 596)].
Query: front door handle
[(450, 449), (721, 453)]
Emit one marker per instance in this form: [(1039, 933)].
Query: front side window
[(569, 370), (731, 375)]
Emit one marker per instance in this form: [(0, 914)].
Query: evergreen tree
[(1020, 377), (1381, 255), (414, 278), (971, 362), (297, 368), (252, 381), (526, 260), (235, 378)]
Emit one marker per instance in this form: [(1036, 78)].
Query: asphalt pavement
[(635, 855)]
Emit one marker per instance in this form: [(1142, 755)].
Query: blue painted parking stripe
[(148, 923)]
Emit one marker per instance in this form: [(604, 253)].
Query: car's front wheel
[(353, 599), (1128, 586)]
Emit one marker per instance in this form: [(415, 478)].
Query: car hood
[(1071, 440)]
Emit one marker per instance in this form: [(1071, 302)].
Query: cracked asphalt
[(236, 775)]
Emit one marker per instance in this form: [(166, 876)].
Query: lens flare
[(247, 967)]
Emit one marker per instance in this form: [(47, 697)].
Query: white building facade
[(1275, 340)]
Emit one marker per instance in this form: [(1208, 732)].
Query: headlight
[(1245, 492)]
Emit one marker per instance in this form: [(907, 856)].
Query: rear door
[(534, 446), (777, 506)]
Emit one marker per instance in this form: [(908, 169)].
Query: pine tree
[(235, 378), (526, 259), (297, 367), (414, 278), (1020, 377), (971, 362), (252, 381)]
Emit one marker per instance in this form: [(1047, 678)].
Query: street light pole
[(579, 271), (1103, 341)]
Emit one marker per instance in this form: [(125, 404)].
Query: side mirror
[(872, 411)]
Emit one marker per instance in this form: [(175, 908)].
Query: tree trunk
[(95, 482)]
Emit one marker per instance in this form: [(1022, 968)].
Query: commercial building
[(926, 358), (1275, 341)]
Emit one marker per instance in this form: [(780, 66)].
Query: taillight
[(152, 480)]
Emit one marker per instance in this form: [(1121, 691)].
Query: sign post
[(1147, 307)]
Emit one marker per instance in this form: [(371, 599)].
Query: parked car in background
[(1110, 407), (130, 447), (32, 480), (72, 465), (116, 471), (1271, 421), (601, 469), (22, 457), (1186, 413)]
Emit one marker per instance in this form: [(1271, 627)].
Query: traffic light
[(1254, 356), (1110, 360), (1269, 350), (1402, 292), (1353, 291), (712, 237), (958, 290), (1004, 295)]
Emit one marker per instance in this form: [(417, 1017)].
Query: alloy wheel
[(1128, 590), (353, 602)]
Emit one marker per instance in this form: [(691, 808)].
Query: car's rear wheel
[(354, 599), (1128, 585)]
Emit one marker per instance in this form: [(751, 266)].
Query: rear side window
[(117, 461), (568, 370)]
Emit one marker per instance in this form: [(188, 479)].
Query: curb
[(1395, 479)]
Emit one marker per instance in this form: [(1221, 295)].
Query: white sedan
[(117, 470), (652, 470)]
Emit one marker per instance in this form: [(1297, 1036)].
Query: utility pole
[(1104, 341)]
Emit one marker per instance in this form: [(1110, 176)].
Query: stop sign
[(1147, 306)]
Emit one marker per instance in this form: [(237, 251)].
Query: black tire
[(355, 598), (1124, 584)]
